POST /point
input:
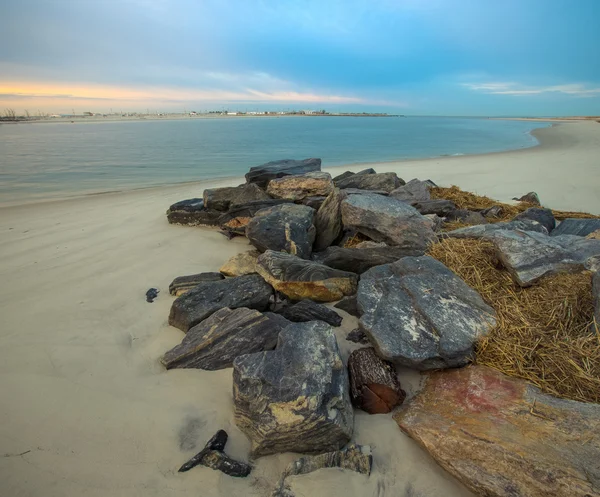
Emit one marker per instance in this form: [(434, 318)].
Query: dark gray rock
[(579, 227), (182, 284), (530, 198), (294, 398), (192, 213), (359, 260), (215, 342), (438, 207), (200, 302), (287, 227), (314, 202), (349, 305), (418, 313), (493, 212), (152, 294), (437, 221), (358, 191), (358, 336), (483, 230), (466, 216), (388, 220), (328, 221), (307, 310), (347, 174), (249, 209), (541, 215), (414, 190), (261, 175), (221, 199), (189, 205), (378, 181)]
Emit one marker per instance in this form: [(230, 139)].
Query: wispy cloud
[(519, 90)]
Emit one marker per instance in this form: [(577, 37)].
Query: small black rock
[(151, 294)]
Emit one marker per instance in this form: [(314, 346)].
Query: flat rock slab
[(501, 437), (182, 284), (530, 256), (221, 199), (192, 212), (579, 227), (412, 191), (241, 264), (261, 175), (219, 339), (200, 302), (378, 181), (299, 187), (296, 397), (485, 230), (249, 209), (299, 279), (388, 220), (328, 221), (359, 260), (307, 310), (419, 314), (287, 227)]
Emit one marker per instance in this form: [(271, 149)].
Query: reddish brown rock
[(503, 438)]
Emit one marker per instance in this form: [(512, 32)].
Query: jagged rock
[(374, 386), (530, 198), (287, 227), (437, 221), (349, 305), (215, 342), (200, 302), (359, 260), (240, 264), (354, 457), (261, 175), (192, 213), (300, 279), (347, 174), (530, 256), (151, 294), (314, 202), (414, 190), (378, 181), (484, 230), (298, 187), (182, 284), (328, 221), (358, 191), (241, 213), (358, 336), (541, 215), (579, 227), (466, 216), (494, 211), (596, 296), (221, 199), (439, 207), (502, 437), (307, 310), (294, 398), (419, 314), (388, 220)]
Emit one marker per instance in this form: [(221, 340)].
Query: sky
[(411, 57)]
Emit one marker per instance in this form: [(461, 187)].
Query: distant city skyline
[(412, 57)]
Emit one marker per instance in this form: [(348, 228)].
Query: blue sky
[(441, 57)]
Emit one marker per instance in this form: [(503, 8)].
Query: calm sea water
[(42, 161)]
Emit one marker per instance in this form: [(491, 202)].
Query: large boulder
[(530, 256), (388, 220), (183, 284), (347, 174), (414, 190), (299, 187), (240, 264), (419, 314), (378, 181), (219, 339), (541, 215), (307, 310), (502, 437), (328, 221), (200, 302), (261, 175), (579, 227), (221, 199), (192, 212), (485, 230), (295, 398), (359, 260), (287, 227), (529, 198), (300, 279)]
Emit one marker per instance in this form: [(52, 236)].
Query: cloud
[(518, 90)]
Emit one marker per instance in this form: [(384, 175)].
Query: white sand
[(83, 397)]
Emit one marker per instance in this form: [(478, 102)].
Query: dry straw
[(545, 334)]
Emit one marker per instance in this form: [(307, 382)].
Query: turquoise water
[(42, 161)]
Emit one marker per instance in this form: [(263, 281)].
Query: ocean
[(45, 161)]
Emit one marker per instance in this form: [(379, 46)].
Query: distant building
[(232, 113), (88, 113)]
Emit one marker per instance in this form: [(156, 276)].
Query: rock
[(356, 458), (594, 235), (294, 398), (417, 313), (349, 305), (530, 256), (215, 342), (388, 220), (370, 244), (307, 310), (287, 227), (221, 199), (241, 213), (437, 221), (579, 227), (151, 294), (466, 216), (314, 202), (298, 187), (347, 174), (200, 302), (240, 264), (414, 190), (359, 260), (502, 437), (182, 284), (439, 207), (374, 386), (358, 336), (492, 212), (300, 279), (192, 213), (212, 456), (530, 198), (358, 191), (484, 230), (378, 181), (596, 296), (261, 175), (328, 221), (541, 215)]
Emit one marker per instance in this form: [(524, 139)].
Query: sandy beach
[(87, 409)]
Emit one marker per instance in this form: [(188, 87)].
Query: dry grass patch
[(545, 334)]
